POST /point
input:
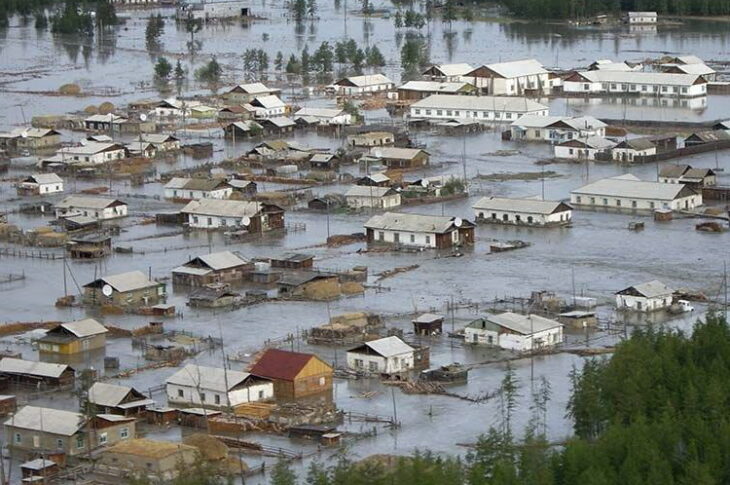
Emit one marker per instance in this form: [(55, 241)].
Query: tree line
[(576, 9)]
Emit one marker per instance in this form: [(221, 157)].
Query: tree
[(106, 14), (312, 8), (210, 73), (374, 57), (293, 66), (72, 20), (154, 29), (398, 20), (41, 21), (180, 73), (300, 9), (282, 474), (448, 13), (279, 61), (305, 59), (163, 69)]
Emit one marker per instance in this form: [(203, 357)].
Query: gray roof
[(280, 121), (222, 208), (85, 328), (123, 282), (91, 148), (597, 142), (459, 69), (689, 60), (88, 202), (253, 88), (698, 69), (210, 378), (248, 125), (222, 260), (45, 178), (157, 138), (523, 324), (651, 289), (428, 318), (322, 157), (12, 365), (378, 177), (631, 188), (493, 103), (269, 102), (198, 183), (395, 152), (637, 144), (529, 206), (640, 77), (389, 346), (512, 69), (320, 112), (434, 86), (47, 420), (367, 80), (400, 221), (110, 395), (366, 191)]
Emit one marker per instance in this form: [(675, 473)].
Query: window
[(417, 111), (381, 236), (210, 221), (494, 215), (605, 201), (322, 381), (428, 111), (643, 87), (413, 238), (59, 444), (180, 393), (651, 205), (537, 133), (124, 433), (36, 441), (224, 222), (508, 116), (633, 204), (103, 438), (359, 363), (529, 219), (396, 237), (373, 366), (593, 200), (518, 218), (505, 217), (202, 397), (18, 438), (618, 202), (577, 199), (195, 219), (79, 442), (428, 239), (684, 90), (261, 394), (448, 112), (439, 112), (217, 399), (613, 86), (457, 113), (570, 151)]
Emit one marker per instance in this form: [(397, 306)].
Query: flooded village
[(255, 232)]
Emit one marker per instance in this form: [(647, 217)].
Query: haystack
[(211, 449), (70, 89), (91, 110), (105, 108)]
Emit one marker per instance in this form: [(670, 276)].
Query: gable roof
[(112, 395), (435, 86), (320, 112), (596, 142), (513, 104), (650, 289), (253, 88), (512, 69), (368, 191), (146, 448), (202, 184), (401, 221), (367, 80), (222, 260), (674, 171), (268, 102), (529, 206), (637, 144), (88, 202), (639, 77), (123, 282), (450, 70), (282, 364), (47, 420), (210, 378), (386, 347), (12, 365), (523, 324), (396, 153), (222, 208), (634, 188), (84, 328), (44, 178)]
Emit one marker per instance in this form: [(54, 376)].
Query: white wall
[(420, 239), (511, 86), (192, 396), (624, 203), (575, 153), (634, 88), (628, 154), (484, 215), (391, 365), (642, 304), (50, 188), (355, 90), (476, 114), (104, 214), (509, 341), (223, 193), (210, 222), (374, 202)]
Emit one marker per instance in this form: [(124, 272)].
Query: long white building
[(500, 109), (556, 129), (522, 212), (628, 193), (512, 78), (636, 83)]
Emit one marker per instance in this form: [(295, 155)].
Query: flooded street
[(595, 257)]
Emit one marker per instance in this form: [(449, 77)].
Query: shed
[(73, 338), (295, 374), (428, 324), (36, 374), (115, 399)]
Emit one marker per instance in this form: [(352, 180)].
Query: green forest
[(654, 413), (577, 9)]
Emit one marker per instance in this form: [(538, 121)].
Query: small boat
[(501, 247), (446, 373)]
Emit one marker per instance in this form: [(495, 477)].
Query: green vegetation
[(210, 73), (414, 54), (537, 9), (453, 186), (155, 28), (163, 69), (255, 60)]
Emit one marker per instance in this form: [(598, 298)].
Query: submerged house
[(388, 355), (255, 217), (120, 400), (361, 196), (512, 78), (181, 188), (216, 388), (367, 84), (403, 158), (420, 231), (497, 109), (447, 72), (132, 289), (36, 375), (244, 93), (97, 208), (150, 459), (294, 374), (40, 184), (528, 212), (556, 129), (512, 331), (73, 338), (221, 267), (685, 174), (646, 297)]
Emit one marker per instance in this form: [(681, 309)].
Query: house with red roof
[(295, 374)]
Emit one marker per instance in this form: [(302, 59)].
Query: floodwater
[(595, 257)]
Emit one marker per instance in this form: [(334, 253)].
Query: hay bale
[(70, 89), (352, 288), (211, 449), (105, 108), (91, 110)]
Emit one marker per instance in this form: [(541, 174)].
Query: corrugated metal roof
[(523, 324), (651, 289), (395, 153), (110, 395), (45, 178), (640, 77), (367, 191), (512, 69), (389, 346), (434, 86), (320, 112), (157, 138), (367, 80), (690, 59), (222, 208), (77, 201), (428, 318), (85, 328), (575, 122), (269, 102), (492, 103), (222, 260), (47, 420), (210, 378), (637, 189), (253, 88), (91, 148), (12, 365), (457, 69), (281, 364), (697, 69), (123, 282), (529, 206), (399, 221), (280, 121)]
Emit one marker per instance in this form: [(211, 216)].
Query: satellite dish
[(107, 290), (424, 183), (143, 117), (458, 222), (246, 220), (24, 134)]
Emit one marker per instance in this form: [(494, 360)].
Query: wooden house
[(646, 297), (400, 158), (294, 374), (222, 267), (416, 230), (36, 375), (113, 399), (132, 289), (160, 460), (293, 261), (388, 355), (428, 324), (253, 217), (73, 338)]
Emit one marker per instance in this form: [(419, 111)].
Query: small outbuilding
[(294, 374), (646, 297), (73, 338)]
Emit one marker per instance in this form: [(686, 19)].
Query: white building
[(267, 106), (361, 196), (447, 72), (326, 116), (215, 388), (389, 355), (161, 141), (214, 214), (628, 193), (87, 155), (697, 69), (357, 85), (632, 149), (421, 231), (243, 93), (584, 148), (181, 188), (556, 129), (637, 18), (98, 208), (646, 297), (636, 83), (512, 331), (609, 65), (477, 108), (213, 9), (41, 184), (512, 78), (173, 107), (528, 212)]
